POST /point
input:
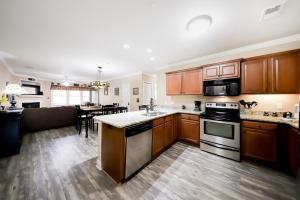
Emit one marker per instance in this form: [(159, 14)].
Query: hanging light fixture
[(99, 84)]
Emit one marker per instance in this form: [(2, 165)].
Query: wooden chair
[(80, 117)]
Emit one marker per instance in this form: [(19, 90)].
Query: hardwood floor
[(59, 164)]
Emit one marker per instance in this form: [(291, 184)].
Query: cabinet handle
[(276, 75)]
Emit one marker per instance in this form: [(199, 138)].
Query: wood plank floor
[(59, 164)]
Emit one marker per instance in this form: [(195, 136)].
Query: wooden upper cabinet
[(222, 71), (211, 72), (192, 82), (284, 73), (173, 83), (230, 70), (254, 76)]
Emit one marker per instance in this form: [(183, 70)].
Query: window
[(85, 96), (74, 97), (59, 97)]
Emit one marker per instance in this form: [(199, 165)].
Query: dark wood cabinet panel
[(190, 131), (293, 141), (211, 72), (230, 70), (192, 82), (254, 76), (259, 144), (284, 73), (173, 83), (158, 139)]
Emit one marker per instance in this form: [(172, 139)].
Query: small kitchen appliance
[(226, 87), (220, 129), (197, 106)]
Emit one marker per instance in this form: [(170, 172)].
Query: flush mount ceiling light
[(199, 24), (149, 50), (126, 46), (152, 59)]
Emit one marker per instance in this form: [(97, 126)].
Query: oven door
[(220, 132)]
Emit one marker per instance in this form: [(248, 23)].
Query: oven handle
[(219, 146), (220, 122)]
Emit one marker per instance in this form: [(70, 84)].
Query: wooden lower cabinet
[(169, 133), (259, 141), (158, 139), (190, 130)]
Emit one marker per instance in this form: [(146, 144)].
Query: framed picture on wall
[(106, 91), (135, 91), (117, 91)]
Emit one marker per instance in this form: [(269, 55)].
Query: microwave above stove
[(225, 87)]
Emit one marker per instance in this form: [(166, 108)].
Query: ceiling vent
[(273, 11)]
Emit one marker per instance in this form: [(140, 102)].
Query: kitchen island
[(112, 138)]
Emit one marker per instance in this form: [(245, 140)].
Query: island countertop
[(122, 120)]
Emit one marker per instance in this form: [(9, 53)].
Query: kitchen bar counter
[(294, 122), (122, 120)]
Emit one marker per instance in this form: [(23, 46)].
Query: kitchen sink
[(153, 113)]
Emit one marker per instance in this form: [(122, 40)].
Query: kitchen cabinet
[(192, 82), (163, 134), (158, 139), (272, 74), (173, 83), (169, 133), (284, 73), (190, 129), (187, 82), (259, 141), (222, 70), (254, 76), (289, 140)]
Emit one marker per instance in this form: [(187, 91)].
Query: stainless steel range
[(220, 129)]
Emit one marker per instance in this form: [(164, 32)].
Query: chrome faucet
[(151, 106)]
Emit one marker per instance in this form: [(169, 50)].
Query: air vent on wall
[(273, 11)]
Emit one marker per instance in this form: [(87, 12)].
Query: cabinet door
[(294, 140), (211, 72), (173, 83), (169, 133), (285, 73), (254, 78), (190, 131), (230, 70), (157, 139), (259, 144), (192, 82)]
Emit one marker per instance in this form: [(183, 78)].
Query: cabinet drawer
[(190, 117), (169, 118), (158, 121), (260, 125)]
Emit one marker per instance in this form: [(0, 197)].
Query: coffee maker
[(197, 106)]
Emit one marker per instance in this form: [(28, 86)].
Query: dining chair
[(82, 116)]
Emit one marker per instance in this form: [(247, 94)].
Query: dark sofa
[(37, 119)]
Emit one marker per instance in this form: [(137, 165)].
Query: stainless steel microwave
[(225, 87)]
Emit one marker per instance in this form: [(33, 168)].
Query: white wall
[(5, 76)]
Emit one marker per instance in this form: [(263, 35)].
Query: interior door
[(147, 92), (126, 95)]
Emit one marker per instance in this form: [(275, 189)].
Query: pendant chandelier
[(99, 84)]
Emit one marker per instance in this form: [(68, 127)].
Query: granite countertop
[(293, 122), (122, 120)]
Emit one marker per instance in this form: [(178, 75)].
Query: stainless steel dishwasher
[(138, 147)]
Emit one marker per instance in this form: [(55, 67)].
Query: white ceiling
[(52, 39)]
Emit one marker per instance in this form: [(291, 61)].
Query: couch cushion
[(36, 119)]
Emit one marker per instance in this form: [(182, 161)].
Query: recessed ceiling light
[(126, 46), (152, 59), (149, 50), (199, 24)]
